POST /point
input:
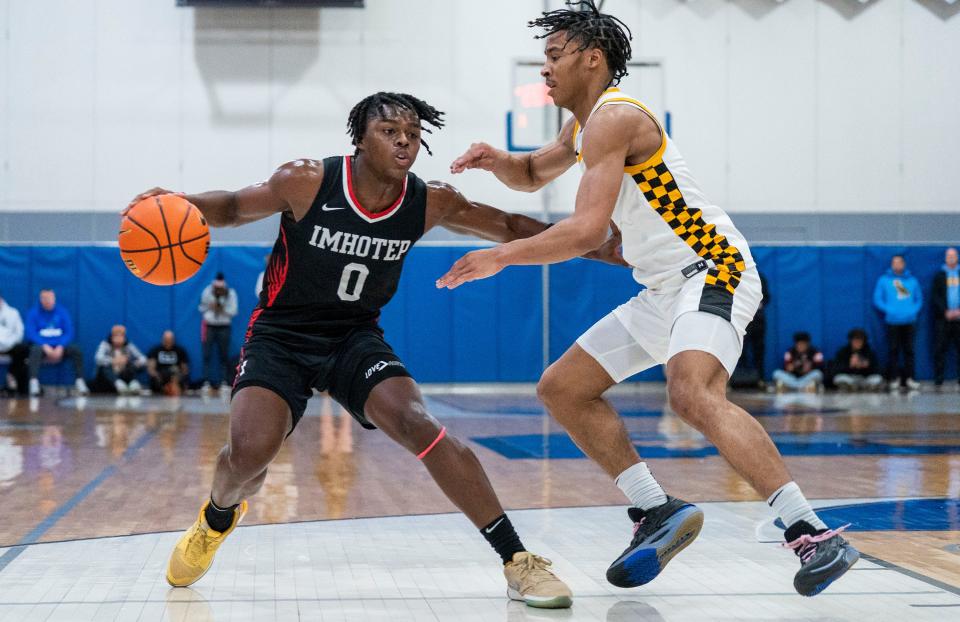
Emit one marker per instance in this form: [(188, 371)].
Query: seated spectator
[(168, 366), (50, 335), (801, 366), (855, 366), (11, 343), (118, 362)]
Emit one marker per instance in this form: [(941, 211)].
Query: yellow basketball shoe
[(193, 555), (529, 579)]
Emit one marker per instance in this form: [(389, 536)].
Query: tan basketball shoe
[(530, 579), (193, 555)]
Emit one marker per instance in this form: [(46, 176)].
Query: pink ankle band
[(443, 432)]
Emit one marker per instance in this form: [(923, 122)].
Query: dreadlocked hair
[(375, 106), (585, 24)]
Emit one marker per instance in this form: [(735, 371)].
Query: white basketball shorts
[(683, 314)]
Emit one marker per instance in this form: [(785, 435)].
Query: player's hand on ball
[(479, 155), (471, 267), (153, 192)]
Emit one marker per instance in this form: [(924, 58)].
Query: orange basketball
[(164, 239)]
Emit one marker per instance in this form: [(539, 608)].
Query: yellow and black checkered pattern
[(660, 189)]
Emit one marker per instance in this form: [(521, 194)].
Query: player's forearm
[(219, 207), (515, 172), (520, 227), (566, 240)]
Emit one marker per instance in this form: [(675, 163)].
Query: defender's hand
[(471, 267), (479, 155), (611, 251), (153, 192)]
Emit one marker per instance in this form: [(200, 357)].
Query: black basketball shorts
[(347, 365)]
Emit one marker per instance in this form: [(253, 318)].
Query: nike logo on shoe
[(327, 208), (493, 526)]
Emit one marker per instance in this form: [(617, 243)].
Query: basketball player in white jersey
[(702, 289)]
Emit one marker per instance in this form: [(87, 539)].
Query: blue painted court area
[(525, 407), (559, 446), (900, 515)]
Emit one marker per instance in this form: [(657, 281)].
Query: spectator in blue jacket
[(898, 297), (49, 330), (946, 313)]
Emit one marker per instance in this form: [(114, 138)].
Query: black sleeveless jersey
[(340, 264)]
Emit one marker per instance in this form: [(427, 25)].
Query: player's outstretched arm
[(448, 208), (292, 187), (527, 172), (605, 150)]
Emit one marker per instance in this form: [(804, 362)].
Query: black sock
[(503, 538), (219, 518)]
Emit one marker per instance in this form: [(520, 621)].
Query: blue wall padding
[(485, 332), (827, 290), (490, 330), (581, 293), (15, 271)]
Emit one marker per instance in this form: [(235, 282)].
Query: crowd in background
[(898, 297), (47, 337)]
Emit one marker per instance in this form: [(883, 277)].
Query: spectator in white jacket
[(118, 363), (11, 344)]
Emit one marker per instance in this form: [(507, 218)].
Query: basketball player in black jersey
[(347, 225)]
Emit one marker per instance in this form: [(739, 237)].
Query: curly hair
[(584, 23), (375, 106)]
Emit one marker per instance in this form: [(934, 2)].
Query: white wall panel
[(4, 99), (771, 137), (931, 123), (487, 39), (138, 143), (226, 99), (805, 105), (858, 100), (691, 39), (50, 92)]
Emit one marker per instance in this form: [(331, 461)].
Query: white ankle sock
[(638, 484), (791, 506)]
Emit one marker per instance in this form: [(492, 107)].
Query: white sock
[(791, 506), (638, 484)]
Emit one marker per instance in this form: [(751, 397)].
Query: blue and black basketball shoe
[(658, 535)]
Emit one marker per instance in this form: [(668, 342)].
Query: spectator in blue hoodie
[(898, 297), (50, 333), (946, 314)]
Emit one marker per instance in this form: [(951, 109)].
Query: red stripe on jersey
[(356, 203), (277, 271), (276, 276), (253, 319)]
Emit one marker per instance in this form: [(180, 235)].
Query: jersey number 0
[(344, 290)]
